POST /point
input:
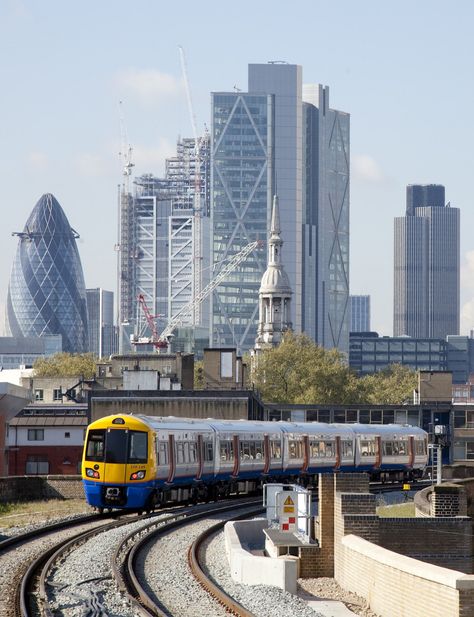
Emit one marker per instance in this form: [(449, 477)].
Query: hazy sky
[(403, 70)]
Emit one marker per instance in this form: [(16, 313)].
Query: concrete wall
[(399, 586), (192, 407), (33, 488), (249, 569)]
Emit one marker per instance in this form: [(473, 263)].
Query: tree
[(299, 371), (66, 365), (392, 386), (198, 375)]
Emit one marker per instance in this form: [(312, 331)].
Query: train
[(139, 462)]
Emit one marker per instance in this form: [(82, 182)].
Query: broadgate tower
[(46, 294)]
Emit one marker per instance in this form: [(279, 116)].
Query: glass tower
[(46, 294), (427, 265), (241, 188)]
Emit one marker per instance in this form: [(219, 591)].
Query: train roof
[(384, 429)]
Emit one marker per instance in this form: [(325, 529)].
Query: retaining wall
[(33, 488), (243, 536), (400, 586)]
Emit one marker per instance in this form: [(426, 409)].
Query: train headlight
[(92, 473), (138, 475)]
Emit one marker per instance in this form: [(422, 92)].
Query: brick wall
[(398, 586), (442, 541), (448, 500), (63, 460), (33, 488)]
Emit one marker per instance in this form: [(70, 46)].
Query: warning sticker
[(289, 501), (289, 509)]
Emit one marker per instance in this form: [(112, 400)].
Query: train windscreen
[(117, 446)]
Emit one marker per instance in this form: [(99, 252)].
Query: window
[(226, 450), (470, 450), (95, 445), (367, 447), (226, 364), (137, 447), (347, 449), (192, 452), (208, 451), (420, 447), (67, 434), (39, 395), (330, 449), (35, 434), (162, 453), (275, 449), (57, 394), (295, 448), (388, 448), (180, 452), (36, 464)]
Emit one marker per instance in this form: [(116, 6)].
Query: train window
[(163, 453), (192, 452), (295, 449), (275, 448), (314, 449), (389, 448), (180, 452), (367, 447), (95, 445), (330, 448), (225, 451), (244, 450), (347, 450), (258, 449), (420, 447), (137, 447), (252, 449), (208, 451), (116, 449), (403, 447)]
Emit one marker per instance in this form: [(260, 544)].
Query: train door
[(172, 458), (200, 456), (116, 449)]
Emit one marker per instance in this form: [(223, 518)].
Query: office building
[(281, 137), (46, 294), (426, 265), (360, 313), (164, 242), (100, 313), (370, 353), (23, 351)]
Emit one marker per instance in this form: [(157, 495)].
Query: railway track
[(141, 595)]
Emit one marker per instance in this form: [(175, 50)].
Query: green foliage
[(66, 365), (198, 375), (299, 371), (392, 386)]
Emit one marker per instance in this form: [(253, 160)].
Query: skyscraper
[(100, 313), (426, 265), (283, 138), (360, 313), (46, 294)]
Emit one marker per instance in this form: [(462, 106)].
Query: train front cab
[(118, 464)]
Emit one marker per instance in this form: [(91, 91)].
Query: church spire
[(275, 291)]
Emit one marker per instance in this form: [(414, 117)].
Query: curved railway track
[(130, 579)]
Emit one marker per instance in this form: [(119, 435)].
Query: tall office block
[(241, 187), (360, 313), (46, 294), (100, 312), (325, 294), (299, 150), (427, 265)]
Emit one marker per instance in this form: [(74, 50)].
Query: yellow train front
[(119, 463)]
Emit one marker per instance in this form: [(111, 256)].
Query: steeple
[(275, 291)]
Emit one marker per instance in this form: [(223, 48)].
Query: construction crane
[(198, 146), (161, 341)]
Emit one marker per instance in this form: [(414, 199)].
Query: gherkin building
[(46, 294)]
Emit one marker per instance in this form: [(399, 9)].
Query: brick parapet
[(33, 488), (448, 500)]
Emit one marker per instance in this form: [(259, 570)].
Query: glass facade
[(241, 179), (368, 353), (46, 294)]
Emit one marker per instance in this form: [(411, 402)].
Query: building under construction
[(164, 241)]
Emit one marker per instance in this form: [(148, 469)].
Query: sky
[(403, 70)]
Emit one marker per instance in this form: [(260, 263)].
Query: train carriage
[(138, 462)]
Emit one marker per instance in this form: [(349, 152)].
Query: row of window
[(348, 416), (37, 434), (186, 452)]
